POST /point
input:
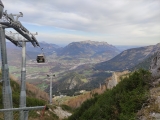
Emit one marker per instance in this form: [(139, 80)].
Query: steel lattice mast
[(11, 21), (6, 89)]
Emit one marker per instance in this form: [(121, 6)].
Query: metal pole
[(23, 114), (51, 89), (6, 90), (24, 108)]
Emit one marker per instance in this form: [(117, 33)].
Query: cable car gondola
[(40, 58)]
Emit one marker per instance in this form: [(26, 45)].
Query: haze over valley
[(88, 63)]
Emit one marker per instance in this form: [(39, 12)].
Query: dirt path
[(61, 113)]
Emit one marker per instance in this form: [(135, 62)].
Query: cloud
[(119, 18)]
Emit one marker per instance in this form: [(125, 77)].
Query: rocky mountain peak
[(93, 42), (89, 49)]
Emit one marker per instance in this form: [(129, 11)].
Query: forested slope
[(120, 103)]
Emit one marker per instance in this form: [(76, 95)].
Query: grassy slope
[(31, 101)]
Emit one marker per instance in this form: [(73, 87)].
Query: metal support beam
[(24, 108), (23, 114), (50, 100), (50, 93), (6, 90)]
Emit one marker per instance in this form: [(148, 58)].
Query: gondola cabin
[(40, 58)]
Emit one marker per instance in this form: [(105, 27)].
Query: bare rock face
[(155, 66), (115, 79)]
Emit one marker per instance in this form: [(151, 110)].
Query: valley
[(75, 72), (36, 73), (61, 63)]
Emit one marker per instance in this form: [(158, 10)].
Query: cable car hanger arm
[(11, 22)]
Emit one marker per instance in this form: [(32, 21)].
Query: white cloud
[(123, 19)]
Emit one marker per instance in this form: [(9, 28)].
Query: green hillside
[(31, 101), (120, 103), (73, 82), (68, 84)]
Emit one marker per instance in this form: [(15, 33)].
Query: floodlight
[(1, 9)]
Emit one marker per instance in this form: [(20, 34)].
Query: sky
[(117, 22)]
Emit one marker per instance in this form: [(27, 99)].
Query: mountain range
[(128, 58), (85, 49), (80, 57)]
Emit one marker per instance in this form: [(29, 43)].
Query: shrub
[(120, 103)]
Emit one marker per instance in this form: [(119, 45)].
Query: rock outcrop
[(115, 79), (151, 109), (155, 66)]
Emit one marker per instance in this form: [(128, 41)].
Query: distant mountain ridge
[(84, 49), (125, 47), (89, 49), (145, 64), (47, 47), (128, 58), (93, 42), (15, 52)]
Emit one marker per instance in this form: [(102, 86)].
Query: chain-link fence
[(32, 113)]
